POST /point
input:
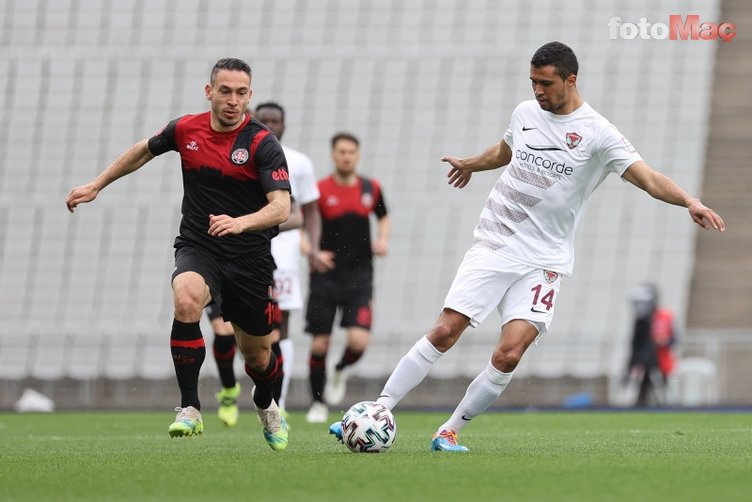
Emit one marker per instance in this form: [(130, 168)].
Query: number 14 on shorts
[(542, 299)]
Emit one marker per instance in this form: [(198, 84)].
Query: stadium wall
[(85, 298)]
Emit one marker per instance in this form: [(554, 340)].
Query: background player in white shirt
[(558, 150), (286, 247)]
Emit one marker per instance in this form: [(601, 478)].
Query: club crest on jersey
[(550, 277), (573, 139), (240, 156), (366, 199)]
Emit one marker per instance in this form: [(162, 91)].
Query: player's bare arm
[(661, 187), (129, 161), (312, 227), (273, 213), (496, 156), (321, 261), (295, 220), (380, 246), (318, 260)]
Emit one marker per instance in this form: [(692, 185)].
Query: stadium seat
[(413, 80)]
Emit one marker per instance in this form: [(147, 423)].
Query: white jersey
[(286, 245), (531, 214), (303, 183)]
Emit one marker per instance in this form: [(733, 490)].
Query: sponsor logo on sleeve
[(280, 175)]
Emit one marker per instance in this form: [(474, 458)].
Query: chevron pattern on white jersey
[(531, 214)]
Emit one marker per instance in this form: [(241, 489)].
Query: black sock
[(277, 386), (188, 353), (224, 353), (349, 357), (317, 376), (264, 381)]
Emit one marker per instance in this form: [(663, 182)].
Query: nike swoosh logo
[(544, 148), (528, 128), (466, 418), (538, 311)]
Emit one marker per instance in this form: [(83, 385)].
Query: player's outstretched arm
[(660, 186), (274, 213), (129, 161), (462, 170)]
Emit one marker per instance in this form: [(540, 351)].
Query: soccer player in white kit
[(286, 247), (557, 150)]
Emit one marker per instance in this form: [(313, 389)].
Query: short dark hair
[(273, 105), (232, 64), (558, 55), (344, 136)]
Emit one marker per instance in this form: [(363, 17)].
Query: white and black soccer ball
[(368, 427)]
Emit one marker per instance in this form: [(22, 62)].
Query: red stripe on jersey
[(188, 344), (337, 200), (209, 152), (257, 139)]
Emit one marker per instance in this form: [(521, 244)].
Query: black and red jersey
[(345, 225), (224, 173)]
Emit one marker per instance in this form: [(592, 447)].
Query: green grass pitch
[(513, 456)]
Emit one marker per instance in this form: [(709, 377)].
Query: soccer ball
[(368, 427)]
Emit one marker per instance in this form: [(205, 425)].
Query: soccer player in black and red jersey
[(236, 193), (343, 274)]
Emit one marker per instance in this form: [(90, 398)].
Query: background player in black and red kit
[(236, 193), (343, 277)]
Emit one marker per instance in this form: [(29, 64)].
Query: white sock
[(410, 371), (288, 355), (480, 394)]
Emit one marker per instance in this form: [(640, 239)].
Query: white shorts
[(287, 289), (286, 253), (485, 281)]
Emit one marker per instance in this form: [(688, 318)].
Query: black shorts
[(352, 293), (240, 287), (214, 311)]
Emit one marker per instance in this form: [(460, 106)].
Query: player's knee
[(358, 339), (506, 360), (320, 345), (257, 360), (188, 307), (442, 336)]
